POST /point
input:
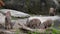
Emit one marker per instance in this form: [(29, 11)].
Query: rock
[(6, 31), (44, 18), (2, 18), (46, 21), (15, 13)]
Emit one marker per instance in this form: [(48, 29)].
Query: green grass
[(17, 31), (32, 32), (53, 31), (48, 31), (14, 18)]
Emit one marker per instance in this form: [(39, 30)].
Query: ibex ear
[(2, 3)]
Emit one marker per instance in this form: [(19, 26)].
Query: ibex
[(8, 24), (52, 12), (34, 23), (48, 23)]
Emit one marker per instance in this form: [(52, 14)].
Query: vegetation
[(33, 7), (30, 6), (17, 31), (48, 31), (51, 30)]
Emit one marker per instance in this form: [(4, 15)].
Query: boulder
[(14, 13), (2, 18), (44, 18)]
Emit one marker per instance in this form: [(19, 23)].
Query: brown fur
[(34, 23), (52, 12), (46, 24), (8, 21)]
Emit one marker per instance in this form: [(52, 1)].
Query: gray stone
[(15, 13), (2, 18)]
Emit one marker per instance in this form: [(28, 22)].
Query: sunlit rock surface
[(44, 18), (56, 20), (2, 18), (15, 13)]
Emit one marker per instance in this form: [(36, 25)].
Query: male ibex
[(8, 24), (34, 23), (52, 12), (48, 23)]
